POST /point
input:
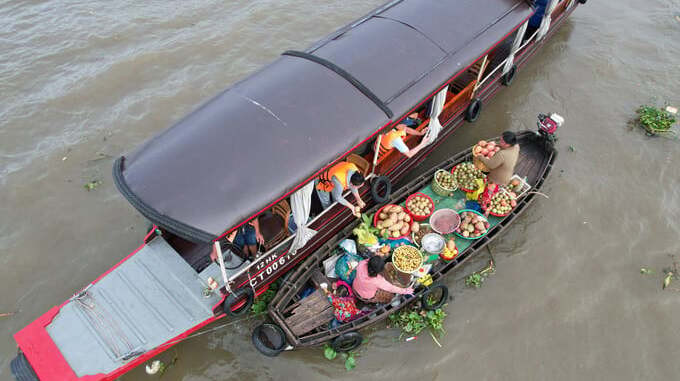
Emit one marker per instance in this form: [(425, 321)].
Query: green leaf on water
[(667, 280), (646, 271), (92, 185), (350, 362), (329, 353)]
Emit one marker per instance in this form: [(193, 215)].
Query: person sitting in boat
[(336, 180), (230, 238), (370, 286), (246, 238), (395, 138), (502, 164)]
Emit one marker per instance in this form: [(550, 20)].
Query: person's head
[(508, 139), (357, 179), (375, 265)]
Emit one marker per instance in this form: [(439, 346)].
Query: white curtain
[(545, 23), (515, 47), (301, 204), (438, 102)]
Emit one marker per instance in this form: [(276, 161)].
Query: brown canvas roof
[(264, 136)]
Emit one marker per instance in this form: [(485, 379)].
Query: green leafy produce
[(261, 303), (365, 232), (655, 119), (329, 353)]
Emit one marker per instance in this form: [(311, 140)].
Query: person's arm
[(383, 284), (337, 195), (399, 144), (495, 161), (355, 190), (413, 131), (258, 235)]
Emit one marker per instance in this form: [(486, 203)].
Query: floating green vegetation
[(655, 120), (261, 303), (92, 185), (412, 321), (350, 357), (476, 279), (670, 274)]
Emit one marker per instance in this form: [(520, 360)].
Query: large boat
[(255, 150)]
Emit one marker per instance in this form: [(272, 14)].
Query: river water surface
[(83, 82)]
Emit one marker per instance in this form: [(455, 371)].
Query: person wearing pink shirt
[(372, 287)]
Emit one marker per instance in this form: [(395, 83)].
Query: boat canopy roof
[(268, 134)]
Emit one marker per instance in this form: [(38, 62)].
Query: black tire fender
[(473, 110), (375, 186), (437, 304), (347, 341), (233, 299), (262, 347), (582, 1), (507, 78)]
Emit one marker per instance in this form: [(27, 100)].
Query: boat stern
[(39, 358)]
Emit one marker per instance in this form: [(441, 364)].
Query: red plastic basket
[(375, 221), (499, 215), (465, 189), (414, 216)]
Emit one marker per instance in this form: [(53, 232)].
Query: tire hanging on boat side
[(347, 341), (275, 339), (376, 184), (507, 78), (582, 1), (431, 306), (473, 110), (233, 299)]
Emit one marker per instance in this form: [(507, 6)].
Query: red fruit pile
[(486, 149)]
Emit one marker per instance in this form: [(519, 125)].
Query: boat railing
[(504, 62)]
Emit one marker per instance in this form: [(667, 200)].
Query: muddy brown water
[(85, 81)]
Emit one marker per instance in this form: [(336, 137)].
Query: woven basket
[(439, 189)]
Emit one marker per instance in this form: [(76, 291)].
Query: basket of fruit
[(473, 225), (450, 251), (465, 175), (444, 221), (443, 183), (393, 222), (485, 149), (407, 259), (518, 185), (501, 204), (420, 206)]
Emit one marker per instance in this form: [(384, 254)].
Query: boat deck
[(151, 298)]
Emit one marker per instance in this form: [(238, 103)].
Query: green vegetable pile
[(365, 232)]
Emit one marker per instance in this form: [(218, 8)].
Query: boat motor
[(548, 124)]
